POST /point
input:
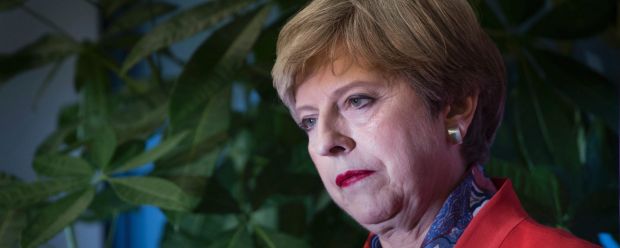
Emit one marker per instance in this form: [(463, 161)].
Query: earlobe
[(459, 116)]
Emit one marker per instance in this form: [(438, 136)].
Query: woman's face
[(380, 154)]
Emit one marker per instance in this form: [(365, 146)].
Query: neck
[(409, 228), (403, 234)]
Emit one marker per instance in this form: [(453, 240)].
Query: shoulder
[(502, 222), (529, 233)]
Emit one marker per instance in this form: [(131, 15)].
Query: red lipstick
[(350, 177)]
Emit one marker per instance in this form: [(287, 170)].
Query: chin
[(370, 213)]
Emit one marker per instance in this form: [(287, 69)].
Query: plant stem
[(264, 237), (46, 21), (111, 231), (70, 236)]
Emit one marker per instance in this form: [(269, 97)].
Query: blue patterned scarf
[(454, 216)]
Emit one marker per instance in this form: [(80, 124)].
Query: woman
[(400, 100)]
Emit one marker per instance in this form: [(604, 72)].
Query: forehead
[(334, 75)]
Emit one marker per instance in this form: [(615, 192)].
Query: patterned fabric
[(458, 210)]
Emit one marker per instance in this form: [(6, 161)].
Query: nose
[(331, 139)]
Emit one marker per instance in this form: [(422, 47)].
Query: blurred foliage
[(238, 175)]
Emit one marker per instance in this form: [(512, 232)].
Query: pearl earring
[(455, 135)]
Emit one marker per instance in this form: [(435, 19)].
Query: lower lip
[(355, 178)]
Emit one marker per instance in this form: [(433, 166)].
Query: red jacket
[(502, 222)]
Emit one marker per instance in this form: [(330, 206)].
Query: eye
[(359, 101), (307, 124)]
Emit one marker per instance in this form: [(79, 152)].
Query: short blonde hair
[(437, 45)]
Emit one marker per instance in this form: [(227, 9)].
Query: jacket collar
[(501, 214)]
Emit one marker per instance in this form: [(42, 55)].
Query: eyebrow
[(339, 91)]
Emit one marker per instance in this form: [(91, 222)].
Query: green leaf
[(202, 166), (288, 5), (173, 239), (125, 152), (138, 15), (151, 155), (538, 188), (273, 181), (182, 26), (584, 87), (193, 176), (7, 179), (506, 145), (274, 239), (223, 53), (215, 117), (139, 120), (239, 238), (293, 216), (264, 48), (105, 206), (7, 5), (152, 191), (542, 185), (576, 19), (69, 116), (56, 165), (21, 194), (502, 168), (53, 142), (331, 228), (92, 76), (266, 216), (241, 149), (47, 49), (601, 158), (217, 199), (205, 226), (547, 122), (123, 42), (102, 146), (274, 126), (265, 51), (53, 218), (12, 222), (532, 134)]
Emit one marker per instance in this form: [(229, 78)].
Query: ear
[(460, 113)]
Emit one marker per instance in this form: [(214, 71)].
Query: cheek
[(405, 142)]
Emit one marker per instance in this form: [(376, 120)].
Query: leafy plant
[(558, 140), (223, 172)]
